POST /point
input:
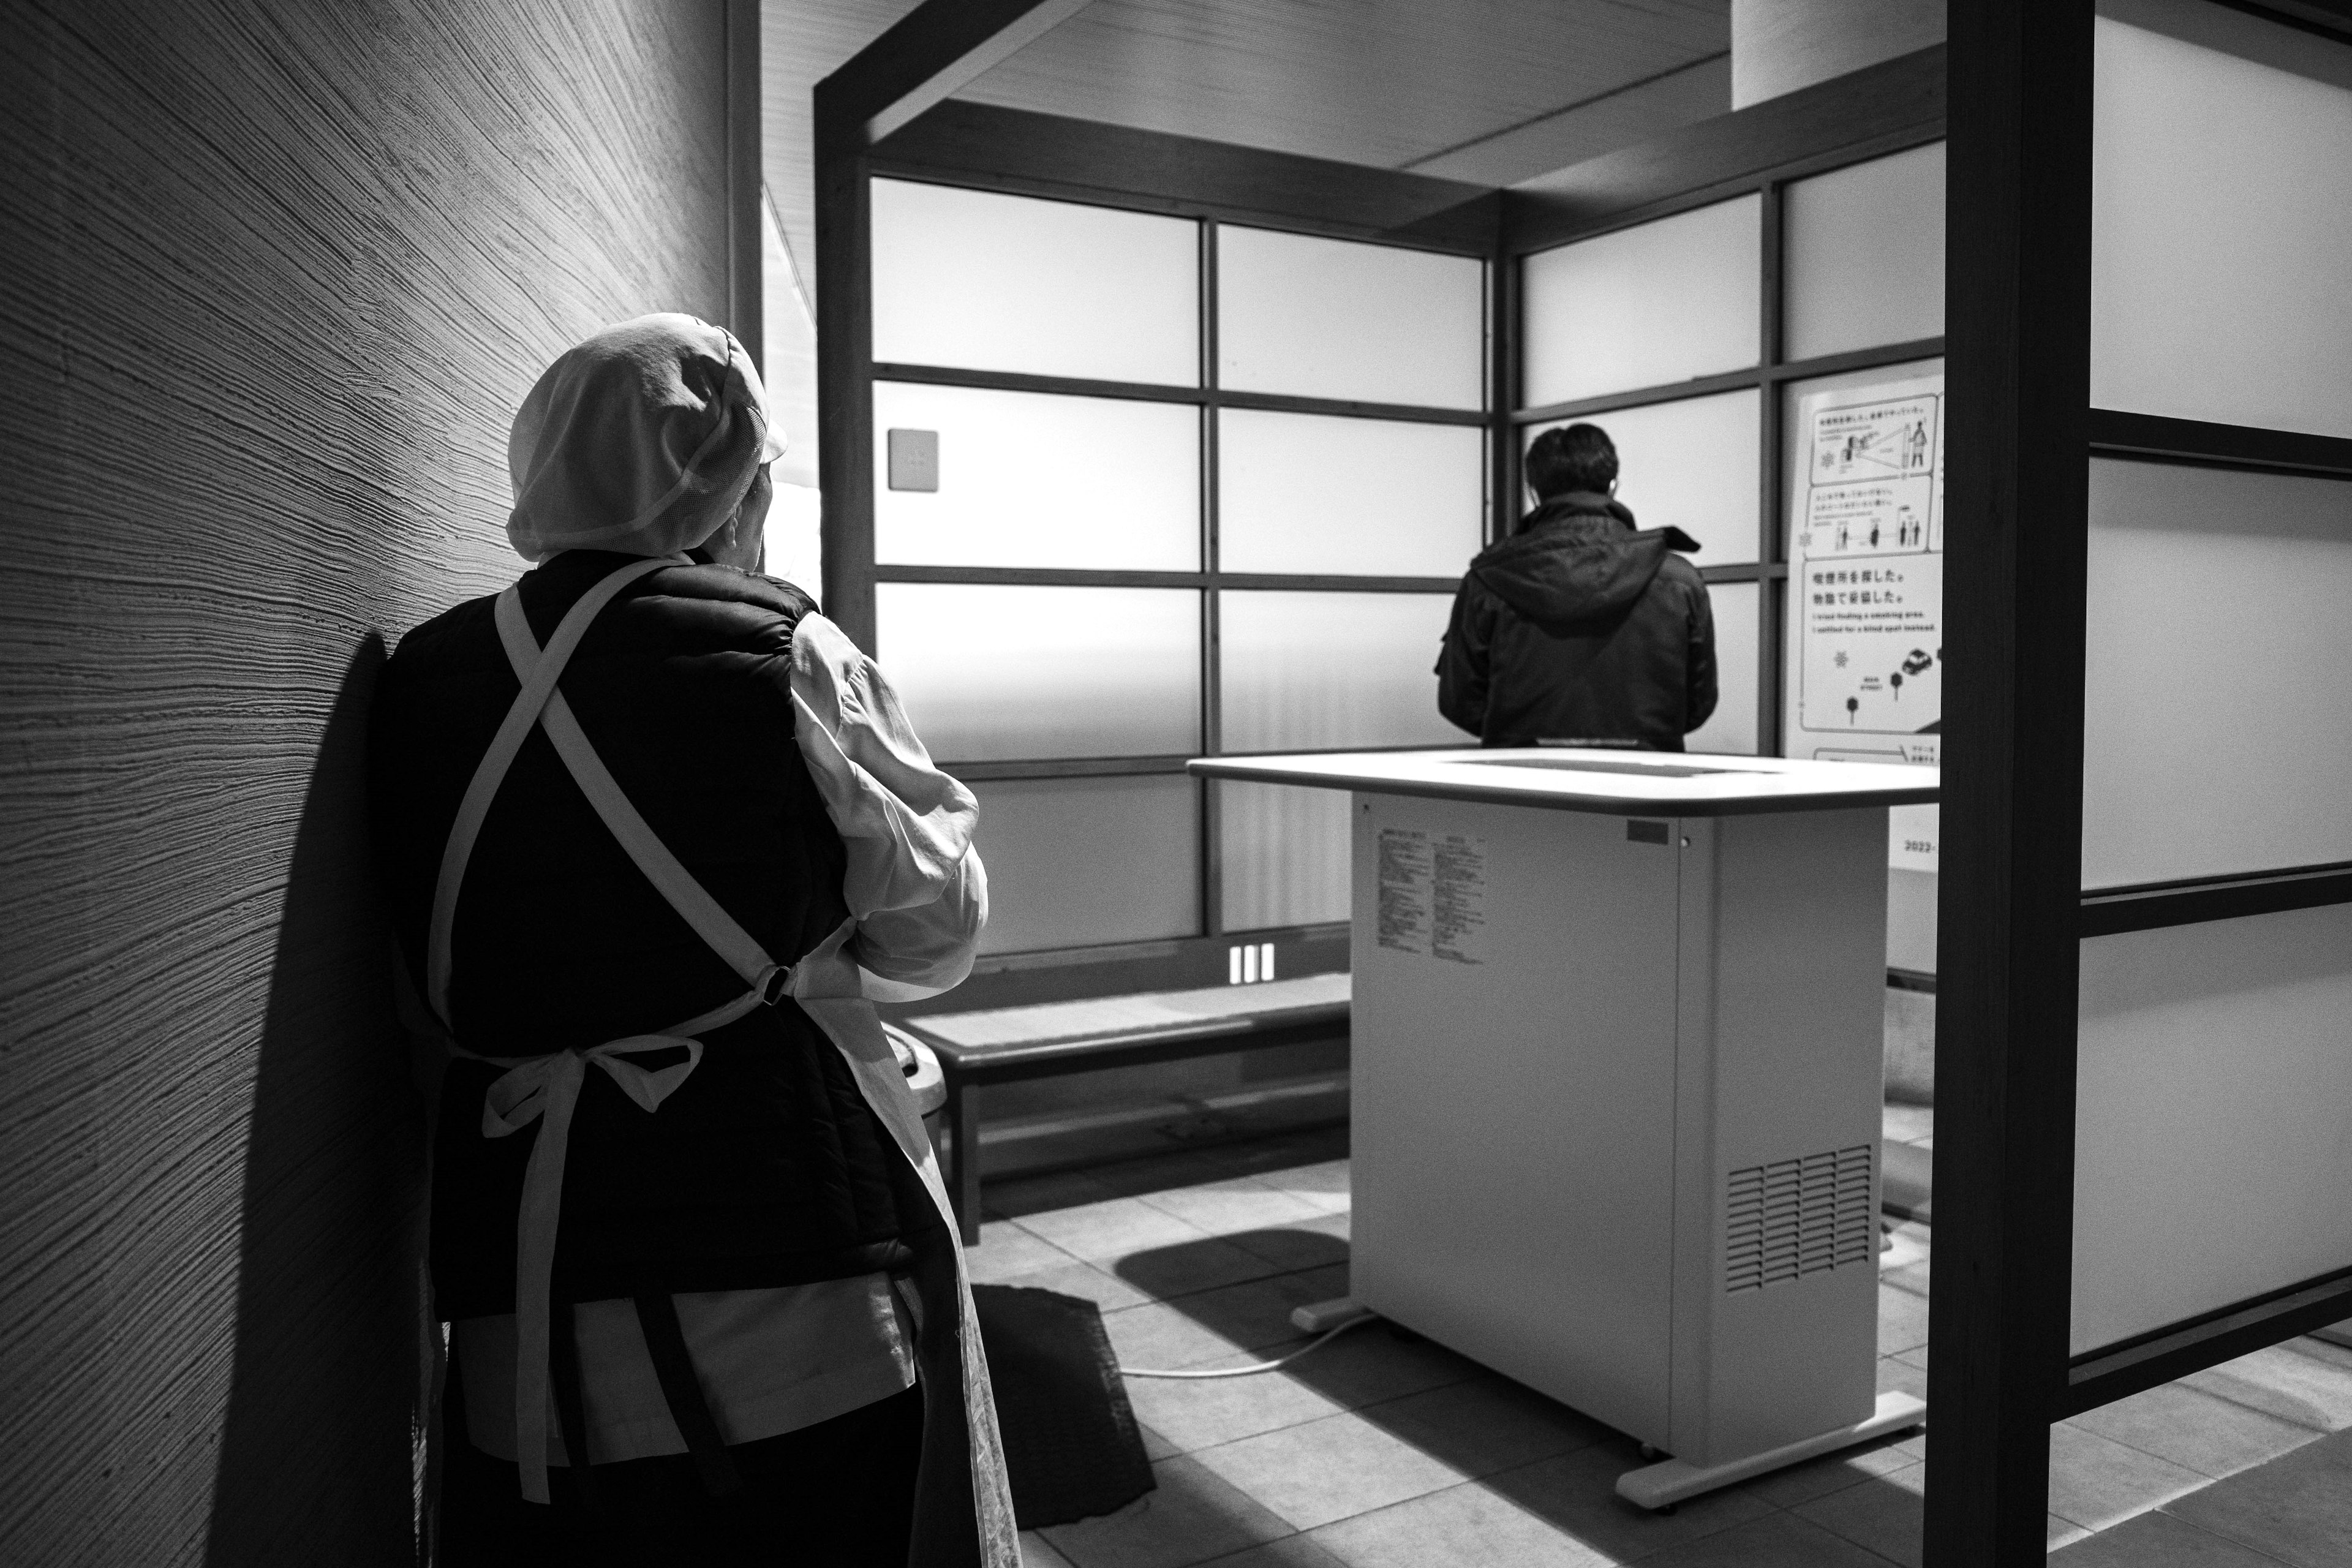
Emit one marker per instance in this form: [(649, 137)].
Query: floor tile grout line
[(2210, 1478), (2231, 1399), (2222, 1535)]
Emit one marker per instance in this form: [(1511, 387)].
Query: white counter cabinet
[(1616, 1073)]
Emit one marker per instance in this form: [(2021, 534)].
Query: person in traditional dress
[(653, 835)]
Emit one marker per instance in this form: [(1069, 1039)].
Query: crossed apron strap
[(538, 685), (547, 1087)]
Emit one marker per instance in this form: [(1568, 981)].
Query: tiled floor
[(1383, 1450)]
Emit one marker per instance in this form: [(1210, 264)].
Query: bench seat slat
[(1001, 1045), (1023, 1059)]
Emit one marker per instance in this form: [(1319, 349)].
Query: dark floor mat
[(1070, 1439)]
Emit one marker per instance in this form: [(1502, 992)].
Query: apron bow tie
[(528, 1088)]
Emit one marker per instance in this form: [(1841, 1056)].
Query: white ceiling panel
[(1493, 92), (1384, 82)]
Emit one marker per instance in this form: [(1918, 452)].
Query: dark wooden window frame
[(1209, 209), (2014, 914)]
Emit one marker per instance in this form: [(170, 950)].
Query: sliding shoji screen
[(1194, 488), (1694, 339), (1861, 275), (1653, 332), (2213, 1117), (1340, 535), (1688, 337)]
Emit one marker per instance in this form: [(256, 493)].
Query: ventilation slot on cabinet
[(1795, 1218)]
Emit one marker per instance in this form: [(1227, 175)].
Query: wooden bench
[(1006, 1044)]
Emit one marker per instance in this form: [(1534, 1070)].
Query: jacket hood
[(1577, 559)]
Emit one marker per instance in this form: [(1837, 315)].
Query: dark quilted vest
[(766, 1167)]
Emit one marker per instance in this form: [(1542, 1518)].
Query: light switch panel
[(914, 460)]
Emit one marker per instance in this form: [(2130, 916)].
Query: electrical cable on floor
[(1316, 1343)]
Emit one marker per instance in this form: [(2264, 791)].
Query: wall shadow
[(323, 1444)]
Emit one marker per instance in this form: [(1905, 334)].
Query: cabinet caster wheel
[(1649, 1453)]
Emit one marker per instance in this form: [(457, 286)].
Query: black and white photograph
[(1176, 783)]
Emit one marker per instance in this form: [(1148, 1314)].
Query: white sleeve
[(914, 884)]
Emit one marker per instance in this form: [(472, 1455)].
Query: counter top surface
[(1617, 782)]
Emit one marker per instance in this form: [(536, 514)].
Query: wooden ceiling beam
[(1879, 108), (1051, 155), (930, 53)]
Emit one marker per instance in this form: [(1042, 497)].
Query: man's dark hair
[(1574, 458)]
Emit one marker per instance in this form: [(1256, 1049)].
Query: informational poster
[(1866, 587), (1432, 899)]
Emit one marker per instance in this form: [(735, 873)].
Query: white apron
[(960, 1439)]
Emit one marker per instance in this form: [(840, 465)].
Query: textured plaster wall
[(273, 276)]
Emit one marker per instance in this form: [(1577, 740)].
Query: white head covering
[(641, 440)]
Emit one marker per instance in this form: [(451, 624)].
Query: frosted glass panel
[(2217, 735), (1334, 318), (1303, 671), (1732, 726), (1286, 855), (1077, 862), (996, 282), (1863, 254), (1660, 302), (1690, 464), (2221, 222), (2213, 1118), (1312, 492), (794, 539), (988, 673), (1024, 478)]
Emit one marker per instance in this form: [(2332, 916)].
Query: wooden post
[(2017, 332), (746, 232)]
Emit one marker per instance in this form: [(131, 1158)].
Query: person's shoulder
[(455, 653), (720, 604), (453, 634), (732, 585), (1681, 572)]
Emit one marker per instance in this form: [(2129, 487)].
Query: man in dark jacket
[(1577, 628)]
